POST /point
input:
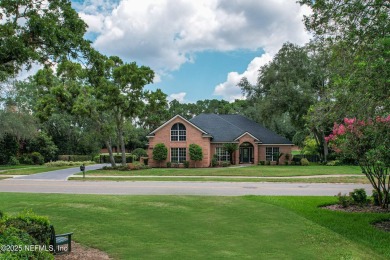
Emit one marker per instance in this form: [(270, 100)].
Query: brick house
[(210, 131)]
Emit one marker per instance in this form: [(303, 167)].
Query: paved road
[(177, 188), (59, 175)]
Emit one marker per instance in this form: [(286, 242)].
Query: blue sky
[(198, 49)]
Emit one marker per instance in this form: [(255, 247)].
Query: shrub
[(96, 159), (137, 166), (37, 158), (305, 162), (175, 165), (169, 164), (19, 238), (23, 230), (186, 164), (359, 196), (63, 157), (139, 152), (196, 153), (214, 161), (36, 226), (267, 162), (344, 200), (67, 163), (74, 158), (160, 152), (26, 159), (34, 158), (297, 158), (376, 198), (226, 164), (333, 163), (286, 163), (105, 158), (262, 163), (13, 161)]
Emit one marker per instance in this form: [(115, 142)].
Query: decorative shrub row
[(67, 163), (75, 158), (130, 166), (105, 158)]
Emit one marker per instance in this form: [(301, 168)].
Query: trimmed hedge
[(66, 163), (105, 158), (75, 158)]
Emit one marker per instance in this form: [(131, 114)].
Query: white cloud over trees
[(165, 34)]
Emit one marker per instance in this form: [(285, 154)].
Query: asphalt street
[(56, 182), (177, 188)]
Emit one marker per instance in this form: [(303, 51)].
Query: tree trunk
[(122, 145), (109, 148)]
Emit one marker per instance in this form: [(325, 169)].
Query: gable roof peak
[(173, 118)]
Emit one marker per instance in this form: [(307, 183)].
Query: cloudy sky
[(199, 49)]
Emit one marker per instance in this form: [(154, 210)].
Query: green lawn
[(191, 227), (263, 171), (10, 167), (28, 169)]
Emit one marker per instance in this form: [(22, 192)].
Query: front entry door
[(245, 155)]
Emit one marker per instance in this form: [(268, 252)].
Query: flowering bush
[(368, 143)]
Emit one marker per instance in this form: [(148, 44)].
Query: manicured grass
[(263, 171), (31, 169), (347, 179), (191, 227), (9, 167)]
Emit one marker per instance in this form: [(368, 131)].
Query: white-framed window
[(221, 154), (178, 155), (178, 132), (270, 153)]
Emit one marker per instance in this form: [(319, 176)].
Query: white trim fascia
[(246, 133), (173, 118)]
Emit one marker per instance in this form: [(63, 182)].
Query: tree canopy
[(38, 31)]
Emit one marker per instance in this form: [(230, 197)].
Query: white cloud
[(288, 27), (164, 34), (229, 89), (178, 96)]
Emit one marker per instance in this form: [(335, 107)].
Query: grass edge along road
[(253, 171), (168, 227), (346, 179)]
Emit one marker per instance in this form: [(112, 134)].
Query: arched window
[(178, 132)]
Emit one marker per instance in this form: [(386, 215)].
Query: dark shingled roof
[(227, 128)]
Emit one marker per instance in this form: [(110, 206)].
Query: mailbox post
[(82, 168)]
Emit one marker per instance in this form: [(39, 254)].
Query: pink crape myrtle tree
[(368, 143)]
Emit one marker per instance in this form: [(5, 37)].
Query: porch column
[(255, 154)]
